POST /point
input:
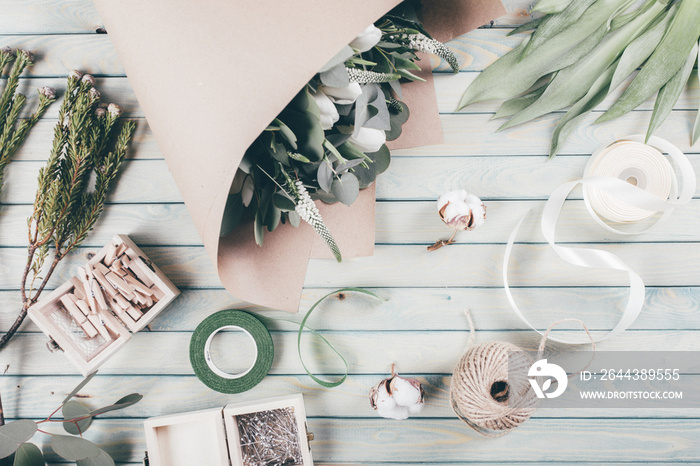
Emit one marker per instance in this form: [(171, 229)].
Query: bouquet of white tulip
[(329, 141)]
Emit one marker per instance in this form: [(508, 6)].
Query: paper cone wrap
[(210, 76)]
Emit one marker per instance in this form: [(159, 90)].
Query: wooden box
[(90, 318), (212, 437)]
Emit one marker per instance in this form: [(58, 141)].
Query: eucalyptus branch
[(77, 418), (87, 141)]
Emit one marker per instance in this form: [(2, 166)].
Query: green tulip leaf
[(75, 410), (29, 454), (14, 434), (103, 459), (73, 448)]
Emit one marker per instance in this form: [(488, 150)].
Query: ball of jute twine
[(484, 396)]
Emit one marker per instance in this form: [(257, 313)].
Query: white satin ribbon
[(608, 193)]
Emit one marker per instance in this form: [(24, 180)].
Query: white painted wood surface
[(421, 326)]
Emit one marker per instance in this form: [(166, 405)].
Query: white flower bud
[(6, 51), (100, 112), (461, 210), (367, 38), (343, 95), (27, 55), (329, 114), (88, 78), (94, 93), (75, 74), (114, 110), (368, 139), (48, 92)]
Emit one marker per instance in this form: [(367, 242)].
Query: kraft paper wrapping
[(210, 76)]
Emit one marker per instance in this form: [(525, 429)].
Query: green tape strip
[(208, 373)]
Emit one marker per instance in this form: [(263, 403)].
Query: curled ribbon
[(624, 182)]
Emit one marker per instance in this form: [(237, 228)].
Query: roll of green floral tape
[(209, 373)]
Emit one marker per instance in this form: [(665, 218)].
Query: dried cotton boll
[(460, 211), (396, 397)]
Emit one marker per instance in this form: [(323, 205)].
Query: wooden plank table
[(422, 327)]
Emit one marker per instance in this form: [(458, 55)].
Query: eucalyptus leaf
[(73, 448), (75, 410), (378, 119), (80, 386), (336, 76), (29, 454), (121, 403), (287, 133), (344, 167), (259, 228), (232, 214), (380, 159), (294, 219), (15, 433), (272, 217), (103, 459), (325, 176), (346, 188), (339, 58), (283, 202)]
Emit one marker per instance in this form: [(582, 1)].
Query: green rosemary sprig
[(12, 133), (87, 142)]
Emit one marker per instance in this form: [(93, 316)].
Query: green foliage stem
[(87, 143)]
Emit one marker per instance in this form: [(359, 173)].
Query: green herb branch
[(87, 142), (13, 132)]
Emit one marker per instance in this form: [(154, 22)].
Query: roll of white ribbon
[(624, 182)]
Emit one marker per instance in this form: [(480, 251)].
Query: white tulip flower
[(368, 139), (367, 38), (329, 114), (343, 95)]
